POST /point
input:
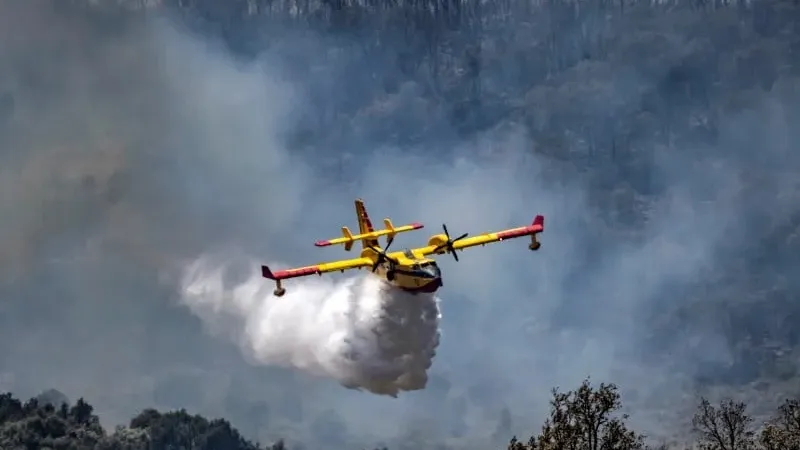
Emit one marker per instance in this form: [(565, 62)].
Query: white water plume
[(360, 331)]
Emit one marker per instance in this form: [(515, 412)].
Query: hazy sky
[(133, 151)]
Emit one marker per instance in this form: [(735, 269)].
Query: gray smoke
[(359, 331), (128, 147)]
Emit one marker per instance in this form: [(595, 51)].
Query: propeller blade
[(449, 244), (377, 260), (382, 256)]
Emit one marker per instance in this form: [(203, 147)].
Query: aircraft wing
[(318, 269), (486, 238)]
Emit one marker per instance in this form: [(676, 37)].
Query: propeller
[(382, 256), (449, 244)]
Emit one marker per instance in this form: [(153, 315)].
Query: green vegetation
[(587, 418), (39, 425), (602, 88)]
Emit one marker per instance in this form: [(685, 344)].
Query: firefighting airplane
[(410, 269)]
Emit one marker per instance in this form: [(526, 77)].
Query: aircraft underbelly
[(420, 285)]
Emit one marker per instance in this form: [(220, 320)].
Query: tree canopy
[(41, 424), (566, 72), (587, 418)]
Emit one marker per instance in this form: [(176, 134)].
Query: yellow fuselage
[(418, 275)]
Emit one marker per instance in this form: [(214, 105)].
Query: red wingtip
[(322, 243), (266, 273), (417, 225), (539, 220)]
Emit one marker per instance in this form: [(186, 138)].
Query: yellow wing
[(438, 243), (319, 269), (349, 237)]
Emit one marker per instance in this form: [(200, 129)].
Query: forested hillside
[(672, 272), (585, 418)]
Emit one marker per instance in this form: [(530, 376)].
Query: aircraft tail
[(366, 233), (364, 224)]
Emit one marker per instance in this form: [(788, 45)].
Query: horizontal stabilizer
[(348, 238)]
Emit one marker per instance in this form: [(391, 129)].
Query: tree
[(584, 419), (41, 425), (726, 427), (179, 429), (783, 431)]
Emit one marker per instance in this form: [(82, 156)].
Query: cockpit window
[(430, 269)]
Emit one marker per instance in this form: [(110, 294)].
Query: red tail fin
[(364, 224)]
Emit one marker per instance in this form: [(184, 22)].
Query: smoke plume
[(359, 331), (129, 144)]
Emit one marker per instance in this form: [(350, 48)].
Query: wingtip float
[(410, 269)]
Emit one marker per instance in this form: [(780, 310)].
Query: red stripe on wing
[(536, 227), (293, 273), (517, 232)]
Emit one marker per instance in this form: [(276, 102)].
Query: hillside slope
[(662, 142)]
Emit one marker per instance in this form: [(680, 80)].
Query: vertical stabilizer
[(364, 224)]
